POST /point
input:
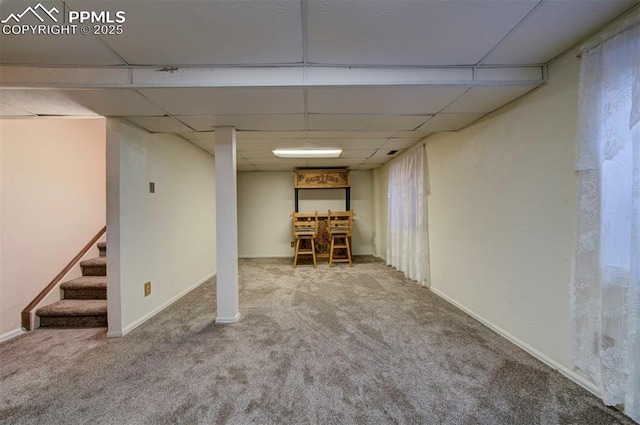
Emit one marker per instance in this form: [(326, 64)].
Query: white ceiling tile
[(335, 162), (45, 102), (411, 134), (382, 156), (241, 161), (226, 101), (105, 102), (350, 144), (409, 32), (276, 161), (349, 134), (12, 111), (449, 122), (205, 32), (159, 124), (276, 135), (61, 49), (361, 154), (114, 102), (276, 122), (257, 154), (397, 143), (554, 27), (383, 100), (279, 167), (364, 122), (269, 144), (486, 99), (248, 167), (206, 144)]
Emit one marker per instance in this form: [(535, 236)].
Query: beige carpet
[(357, 345)]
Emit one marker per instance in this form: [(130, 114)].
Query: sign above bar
[(321, 179)]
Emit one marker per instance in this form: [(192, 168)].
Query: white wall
[(265, 203), (166, 237), (502, 216), (52, 202)]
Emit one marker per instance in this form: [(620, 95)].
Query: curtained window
[(407, 233), (605, 291)]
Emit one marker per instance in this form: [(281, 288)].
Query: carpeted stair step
[(94, 266), (74, 314), (85, 288), (102, 247)]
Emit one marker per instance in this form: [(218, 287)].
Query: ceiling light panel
[(307, 153)]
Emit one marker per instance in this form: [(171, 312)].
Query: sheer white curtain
[(605, 292), (407, 232)]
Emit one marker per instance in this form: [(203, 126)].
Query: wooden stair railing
[(26, 313)]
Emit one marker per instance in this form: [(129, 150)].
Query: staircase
[(84, 303)]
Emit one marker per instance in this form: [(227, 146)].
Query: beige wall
[(502, 216), (167, 237), (52, 202), (266, 200)]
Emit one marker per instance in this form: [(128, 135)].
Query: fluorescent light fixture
[(307, 153)]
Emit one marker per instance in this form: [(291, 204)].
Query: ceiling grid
[(365, 77)]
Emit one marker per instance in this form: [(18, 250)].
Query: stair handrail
[(26, 313)]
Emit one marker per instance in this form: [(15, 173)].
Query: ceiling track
[(132, 78)]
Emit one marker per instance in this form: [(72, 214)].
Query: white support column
[(228, 309)]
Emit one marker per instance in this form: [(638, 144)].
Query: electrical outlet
[(292, 244), (152, 187), (147, 289)]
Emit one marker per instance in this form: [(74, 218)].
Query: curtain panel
[(605, 290), (407, 232)]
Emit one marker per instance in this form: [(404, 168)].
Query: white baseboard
[(12, 334), (574, 376), (228, 320), (157, 310)]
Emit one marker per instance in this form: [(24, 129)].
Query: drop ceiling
[(366, 76)]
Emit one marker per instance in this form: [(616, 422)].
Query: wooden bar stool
[(305, 228), (340, 225)]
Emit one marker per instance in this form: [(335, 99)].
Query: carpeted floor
[(357, 345)]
